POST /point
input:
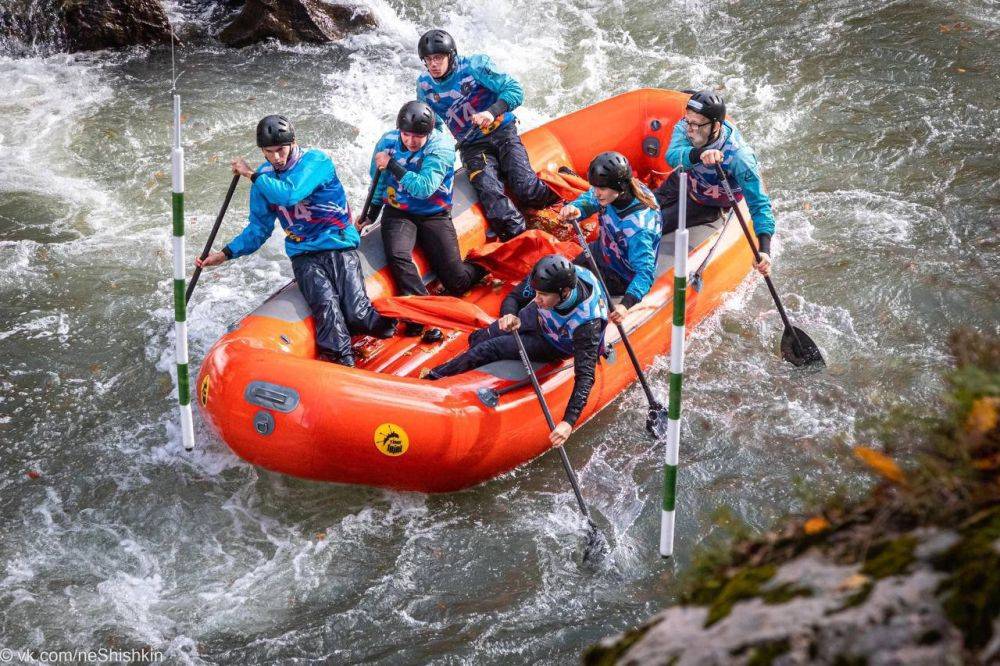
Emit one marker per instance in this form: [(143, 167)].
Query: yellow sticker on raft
[(203, 391), (391, 440)]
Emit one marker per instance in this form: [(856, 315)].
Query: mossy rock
[(784, 593), (601, 655), (890, 558), (745, 584), (970, 594), (764, 655)]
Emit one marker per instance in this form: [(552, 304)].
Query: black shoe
[(385, 329), (347, 361), (432, 335), (412, 329), (478, 273), (567, 170)]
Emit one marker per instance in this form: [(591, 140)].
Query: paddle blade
[(798, 348), (656, 422), (597, 545)]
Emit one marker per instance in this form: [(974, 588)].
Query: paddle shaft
[(756, 253), (552, 424), (211, 236), (621, 329), (371, 194)]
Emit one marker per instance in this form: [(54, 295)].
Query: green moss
[(890, 558), (764, 655), (600, 655), (970, 595), (744, 585), (784, 593)]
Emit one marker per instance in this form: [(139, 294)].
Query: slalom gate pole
[(180, 302), (667, 515)]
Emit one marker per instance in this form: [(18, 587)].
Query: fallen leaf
[(32, 474), (320, 536), (881, 464), (816, 525), (983, 416), (960, 70), (853, 582)]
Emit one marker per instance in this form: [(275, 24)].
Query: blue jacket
[(474, 85), (629, 240), (558, 327), (309, 202), (739, 163), (426, 187)]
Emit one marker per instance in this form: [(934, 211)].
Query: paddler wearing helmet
[(417, 165), (476, 102), (300, 189), (625, 250), (700, 141), (560, 310)]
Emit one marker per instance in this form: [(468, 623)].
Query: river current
[(876, 123)]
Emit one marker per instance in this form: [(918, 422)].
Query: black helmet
[(612, 170), (415, 117), (709, 104), (436, 41), (552, 274), (274, 131)]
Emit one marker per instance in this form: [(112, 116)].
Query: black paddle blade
[(656, 422), (597, 545), (798, 348)]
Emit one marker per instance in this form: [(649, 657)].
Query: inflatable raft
[(267, 396)]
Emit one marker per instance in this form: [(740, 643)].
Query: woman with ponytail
[(629, 238)]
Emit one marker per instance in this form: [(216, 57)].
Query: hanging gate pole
[(180, 302), (676, 375)]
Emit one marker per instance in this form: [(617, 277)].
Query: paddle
[(211, 236), (656, 417), (371, 193), (796, 347), (595, 542)]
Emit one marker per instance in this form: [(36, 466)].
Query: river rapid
[(876, 123)]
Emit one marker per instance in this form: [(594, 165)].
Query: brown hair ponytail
[(643, 194)]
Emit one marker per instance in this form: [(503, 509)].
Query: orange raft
[(268, 397)]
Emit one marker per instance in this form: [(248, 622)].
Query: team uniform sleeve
[(436, 166), (586, 203), (257, 231), (642, 257), (679, 150), (422, 97), (746, 172), (378, 197), (518, 298), (505, 86), (312, 171), (587, 340)]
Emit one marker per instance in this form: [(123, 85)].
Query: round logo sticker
[(391, 440), (203, 391)]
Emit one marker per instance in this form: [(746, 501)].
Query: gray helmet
[(552, 274), (709, 104), (416, 118), (275, 131)]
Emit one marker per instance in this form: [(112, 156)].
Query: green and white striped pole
[(180, 305), (676, 375)]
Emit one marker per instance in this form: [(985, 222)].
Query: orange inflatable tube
[(267, 396)]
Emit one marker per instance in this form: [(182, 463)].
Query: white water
[(887, 238)]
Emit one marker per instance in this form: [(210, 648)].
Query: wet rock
[(295, 22), (91, 25), (47, 26)]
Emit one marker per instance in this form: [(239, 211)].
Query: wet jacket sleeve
[(257, 231), (518, 298), (437, 164), (504, 85), (313, 170), (587, 203), (744, 171), (587, 340), (642, 257), (679, 150)]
